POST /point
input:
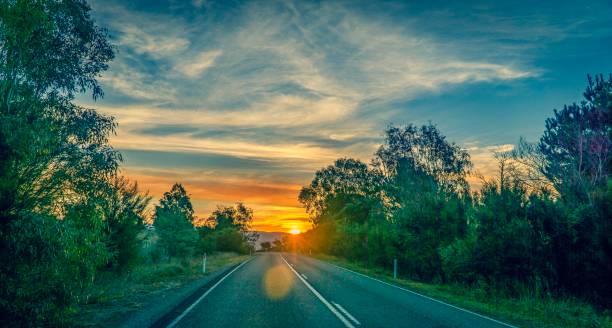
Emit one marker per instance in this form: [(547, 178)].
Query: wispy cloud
[(296, 84), (194, 67), (137, 83), (151, 40)]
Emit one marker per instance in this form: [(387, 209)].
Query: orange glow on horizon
[(275, 205)]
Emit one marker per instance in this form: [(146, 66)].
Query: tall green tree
[(125, 212), (427, 194), (53, 149), (426, 150), (346, 178), (577, 143), (344, 202), (228, 229), (54, 158), (577, 147), (239, 217), (173, 223)]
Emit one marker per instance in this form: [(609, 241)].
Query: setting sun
[(294, 231)]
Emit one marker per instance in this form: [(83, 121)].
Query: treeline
[(66, 213), (277, 245), (542, 227), (177, 233)]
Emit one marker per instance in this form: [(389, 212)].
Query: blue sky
[(244, 100)]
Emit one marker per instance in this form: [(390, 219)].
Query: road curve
[(290, 290)]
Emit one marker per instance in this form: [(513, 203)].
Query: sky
[(245, 100)]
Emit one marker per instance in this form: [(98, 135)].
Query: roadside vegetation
[(113, 296), (74, 231), (525, 311), (535, 236)]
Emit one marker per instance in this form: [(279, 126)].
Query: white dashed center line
[(346, 313)]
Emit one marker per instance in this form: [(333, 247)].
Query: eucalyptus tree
[(54, 157), (125, 210), (427, 194), (346, 179), (53, 149), (173, 221), (229, 228)]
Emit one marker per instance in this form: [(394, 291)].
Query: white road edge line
[(303, 275), (347, 323), (427, 297), (346, 313), (173, 323)]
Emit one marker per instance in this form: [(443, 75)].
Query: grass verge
[(522, 312), (113, 295)]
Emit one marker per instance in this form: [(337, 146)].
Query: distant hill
[(268, 236)]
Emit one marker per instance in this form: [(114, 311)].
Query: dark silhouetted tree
[(265, 246)]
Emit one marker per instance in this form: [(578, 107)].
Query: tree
[(124, 212), (239, 217), (265, 246), (426, 193), (426, 150), (544, 225), (346, 178), (277, 245), (342, 200), (173, 223), (52, 48), (229, 227), (178, 201), (577, 143), (577, 148), (504, 236), (55, 158)]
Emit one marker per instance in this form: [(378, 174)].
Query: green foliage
[(178, 201), (55, 159), (239, 217), (226, 230), (51, 48), (266, 246), (231, 240), (347, 178), (542, 228), (343, 200), (424, 150), (173, 223), (577, 143), (124, 212), (47, 263)]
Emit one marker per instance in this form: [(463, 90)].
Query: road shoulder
[(522, 312), (164, 308), (150, 292)]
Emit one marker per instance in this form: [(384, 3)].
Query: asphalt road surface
[(289, 290)]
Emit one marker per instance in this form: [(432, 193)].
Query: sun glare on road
[(278, 281), (294, 231)]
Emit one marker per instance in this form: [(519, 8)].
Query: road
[(290, 290)]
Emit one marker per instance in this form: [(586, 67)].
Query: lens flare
[(278, 281)]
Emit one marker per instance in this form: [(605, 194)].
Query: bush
[(46, 263), (231, 240)]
